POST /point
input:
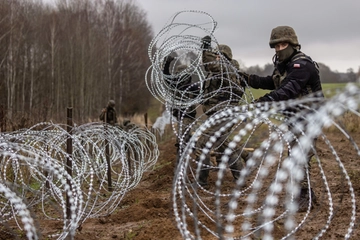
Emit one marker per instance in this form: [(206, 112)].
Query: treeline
[(326, 75), (75, 54)]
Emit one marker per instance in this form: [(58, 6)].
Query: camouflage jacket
[(111, 117), (222, 85), (181, 88)]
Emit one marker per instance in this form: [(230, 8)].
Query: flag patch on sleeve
[(296, 65)]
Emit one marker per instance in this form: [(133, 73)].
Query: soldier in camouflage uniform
[(295, 76), (127, 125), (223, 89), (108, 114), (182, 87)]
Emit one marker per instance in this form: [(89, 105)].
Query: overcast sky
[(328, 31)]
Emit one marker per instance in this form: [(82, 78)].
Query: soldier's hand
[(245, 79), (265, 98), (206, 42), (168, 59)]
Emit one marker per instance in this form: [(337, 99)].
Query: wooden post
[(68, 159), (146, 119), (129, 161), (47, 183), (107, 154)]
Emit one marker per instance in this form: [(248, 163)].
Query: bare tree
[(78, 53)]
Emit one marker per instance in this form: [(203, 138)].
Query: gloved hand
[(264, 98), (166, 64), (168, 59), (206, 42), (245, 80)]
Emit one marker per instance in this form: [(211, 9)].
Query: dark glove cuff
[(265, 98), (206, 42), (245, 77)]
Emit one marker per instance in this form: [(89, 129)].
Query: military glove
[(166, 67), (168, 59), (206, 42), (245, 79), (265, 98)]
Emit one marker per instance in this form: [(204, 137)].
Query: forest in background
[(80, 54), (76, 54)]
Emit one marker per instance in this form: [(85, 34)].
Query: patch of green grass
[(35, 185), (131, 234), (329, 89), (256, 92)]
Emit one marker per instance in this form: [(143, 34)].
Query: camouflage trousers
[(235, 159), (304, 183), (184, 135), (185, 132)]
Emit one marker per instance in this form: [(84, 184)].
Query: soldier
[(108, 114), (182, 88), (127, 125), (224, 89), (295, 75)]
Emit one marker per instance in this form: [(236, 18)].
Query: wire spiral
[(34, 167), (263, 201)]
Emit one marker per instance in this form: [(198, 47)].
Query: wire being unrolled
[(182, 39)]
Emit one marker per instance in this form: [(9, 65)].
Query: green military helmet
[(126, 122), (225, 50), (111, 103), (236, 64), (283, 34)]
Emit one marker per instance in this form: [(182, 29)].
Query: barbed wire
[(270, 181), (34, 166), (263, 200)]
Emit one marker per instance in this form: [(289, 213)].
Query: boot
[(246, 155), (203, 176), (236, 164), (304, 199)]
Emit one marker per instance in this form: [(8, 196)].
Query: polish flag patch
[(296, 65)]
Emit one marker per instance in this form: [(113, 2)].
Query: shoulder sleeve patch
[(296, 65)]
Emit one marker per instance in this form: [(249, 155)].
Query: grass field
[(329, 89)]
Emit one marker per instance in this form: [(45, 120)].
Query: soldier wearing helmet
[(295, 75), (108, 114), (180, 84), (222, 89), (127, 125), (220, 74)]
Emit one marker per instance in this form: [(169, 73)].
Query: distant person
[(223, 89), (295, 76), (127, 125), (108, 114)]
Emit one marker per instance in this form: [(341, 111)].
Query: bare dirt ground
[(146, 212)]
